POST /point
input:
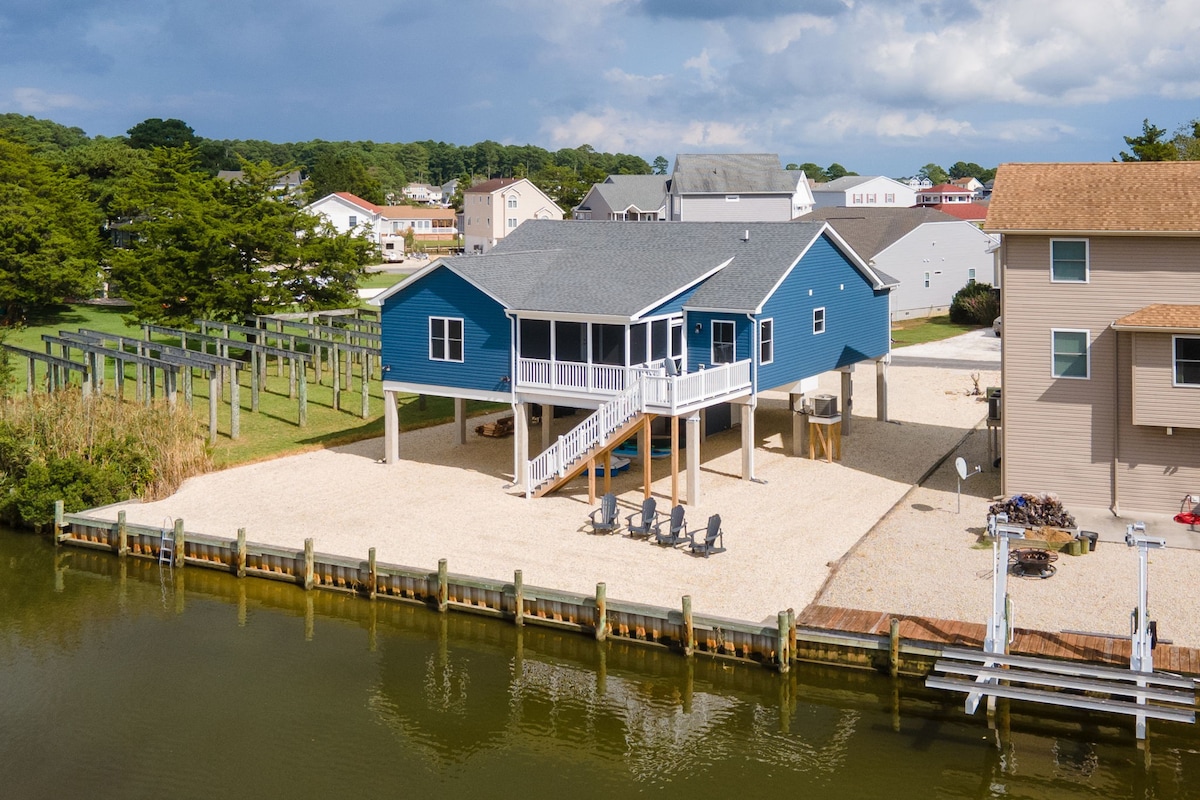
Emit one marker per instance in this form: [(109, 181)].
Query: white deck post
[(520, 443), (847, 397), (460, 420), (748, 442), (547, 427), (693, 459), (391, 428), (881, 388)]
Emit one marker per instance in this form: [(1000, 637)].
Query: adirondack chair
[(712, 536), (676, 532), (604, 519), (647, 518), (670, 368)]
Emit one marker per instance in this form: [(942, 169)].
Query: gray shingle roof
[(624, 268), (733, 173), (643, 192), (842, 184), (870, 231)]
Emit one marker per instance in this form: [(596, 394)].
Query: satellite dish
[(960, 464)]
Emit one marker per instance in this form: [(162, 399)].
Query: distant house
[(863, 191), (494, 209), (932, 255), (917, 183), (968, 183), (944, 194), (674, 321), (287, 182), (634, 198), (386, 225), (739, 187), (422, 193), (1101, 358)]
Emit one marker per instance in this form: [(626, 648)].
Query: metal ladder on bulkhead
[(166, 545)]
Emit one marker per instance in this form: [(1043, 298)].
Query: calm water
[(116, 681)]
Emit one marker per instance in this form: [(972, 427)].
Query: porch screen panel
[(660, 341), (608, 344), (535, 338), (570, 341), (637, 343)]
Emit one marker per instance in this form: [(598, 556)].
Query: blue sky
[(880, 86)]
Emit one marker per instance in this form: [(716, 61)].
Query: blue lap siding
[(699, 344), (487, 335), (856, 318)]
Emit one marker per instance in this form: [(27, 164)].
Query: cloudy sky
[(880, 86)]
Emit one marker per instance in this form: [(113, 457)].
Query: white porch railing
[(646, 392), (538, 373)]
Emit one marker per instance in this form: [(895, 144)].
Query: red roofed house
[(953, 199), (1101, 350), (386, 225)]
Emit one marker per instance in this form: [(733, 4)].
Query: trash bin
[(1091, 537)]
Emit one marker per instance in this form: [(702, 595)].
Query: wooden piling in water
[(689, 629), (601, 612), (180, 545), (122, 535), (240, 558), (518, 598), (894, 647), (443, 586), (372, 574), (58, 522), (308, 564), (784, 656)]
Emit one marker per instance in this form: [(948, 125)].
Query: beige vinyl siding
[(1156, 400), (1059, 433)]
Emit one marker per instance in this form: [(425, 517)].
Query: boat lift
[(1138, 691)]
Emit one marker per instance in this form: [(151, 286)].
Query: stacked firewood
[(1035, 510)]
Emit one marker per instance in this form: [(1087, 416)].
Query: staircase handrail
[(583, 437)]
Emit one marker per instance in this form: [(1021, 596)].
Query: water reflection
[(328, 693)]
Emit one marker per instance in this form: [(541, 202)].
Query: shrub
[(90, 452), (974, 304)]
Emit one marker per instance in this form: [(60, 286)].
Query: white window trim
[(712, 347), (1087, 354), (770, 339), (446, 339), (824, 323), (1087, 261), (1175, 364)]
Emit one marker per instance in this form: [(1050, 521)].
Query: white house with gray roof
[(864, 191), (931, 254), (635, 321), (632, 198), (735, 187)]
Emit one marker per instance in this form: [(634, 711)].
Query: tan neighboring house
[(493, 209), (1101, 337)]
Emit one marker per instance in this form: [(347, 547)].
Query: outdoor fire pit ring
[(1032, 562)]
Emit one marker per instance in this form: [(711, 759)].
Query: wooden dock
[(1081, 647)]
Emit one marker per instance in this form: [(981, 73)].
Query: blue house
[(635, 321)]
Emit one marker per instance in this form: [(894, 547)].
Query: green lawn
[(380, 280), (274, 430), (929, 329)]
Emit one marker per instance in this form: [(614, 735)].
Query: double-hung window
[(1069, 260), (722, 342), (445, 339), (512, 202), (512, 222), (1187, 360), (1069, 354), (766, 341), (818, 320)]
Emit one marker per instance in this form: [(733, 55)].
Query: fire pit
[(1032, 562)]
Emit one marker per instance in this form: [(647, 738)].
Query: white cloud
[(866, 123), (615, 130), (31, 100)]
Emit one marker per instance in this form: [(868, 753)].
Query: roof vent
[(746, 235)]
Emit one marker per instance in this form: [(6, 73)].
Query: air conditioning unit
[(824, 405)]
